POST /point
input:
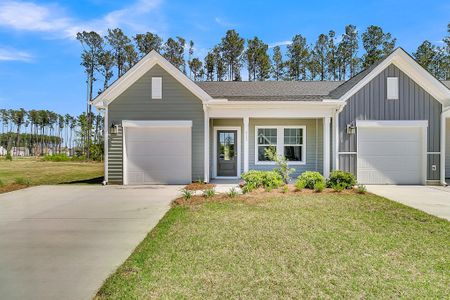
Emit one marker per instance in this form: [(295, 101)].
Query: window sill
[(295, 163)]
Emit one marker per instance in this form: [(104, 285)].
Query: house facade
[(388, 124)]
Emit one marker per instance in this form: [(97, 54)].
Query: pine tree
[(258, 61), (278, 64), (377, 45), (131, 57), (146, 42), (231, 48), (210, 64), (319, 57), (195, 65), (105, 66), (174, 52), (118, 41), (332, 56), (298, 54)]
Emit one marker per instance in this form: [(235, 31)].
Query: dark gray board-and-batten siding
[(177, 103), (370, 103)]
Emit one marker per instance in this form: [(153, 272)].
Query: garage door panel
[(390, 155), (158, 155)]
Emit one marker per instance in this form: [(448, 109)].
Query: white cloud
[(53, 20), (223, 22), (282, 43), (9, 54)]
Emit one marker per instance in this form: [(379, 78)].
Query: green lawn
[(306, 246), (46, 172)]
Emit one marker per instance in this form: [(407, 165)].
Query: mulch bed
[(11, 187), (199, 186)]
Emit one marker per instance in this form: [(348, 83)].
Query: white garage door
[(157, 152), (390, 154)]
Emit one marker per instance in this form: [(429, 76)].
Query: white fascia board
[(176, 123), (138, 70), (410, 67), (405, 123)]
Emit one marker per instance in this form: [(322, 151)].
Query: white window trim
[(392, 83), (280, 144), (159, 81)]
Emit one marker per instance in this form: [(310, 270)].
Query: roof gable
[(401, 59), (137, 71)]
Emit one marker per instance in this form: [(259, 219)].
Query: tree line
[(43, 132)]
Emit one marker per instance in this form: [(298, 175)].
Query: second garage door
[(157, 152), (391, 153)]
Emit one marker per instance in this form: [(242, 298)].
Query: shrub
[(346, 179), (319, 186), (310, 178), (56, 157), (187, 194), (285, 189), (361, 189), (338, 187), (266, 179), (282, 163), (300, 185), (8, 156), (208, 193), (23, 181), (232, 193)]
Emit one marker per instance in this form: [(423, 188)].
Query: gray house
[(388, 125)]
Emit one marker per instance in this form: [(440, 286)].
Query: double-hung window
[(289, 141)]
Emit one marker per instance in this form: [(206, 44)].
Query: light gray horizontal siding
[(314, 143), (178, 103), (370, 103)]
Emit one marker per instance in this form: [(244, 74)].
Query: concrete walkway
[(434, 200), (62, 242)]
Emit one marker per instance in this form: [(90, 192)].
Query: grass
[(309, 245), (22, 172)]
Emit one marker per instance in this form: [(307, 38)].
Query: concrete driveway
[(434, 200), (62, 242)]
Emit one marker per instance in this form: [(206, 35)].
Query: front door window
[(226, 153)]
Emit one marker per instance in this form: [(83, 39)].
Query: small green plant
[(319, 186), (282, 163), (8, 156), (2, 183), (232, 193), (310, 178), (200, 181), (285, 189), (300, 185), (361, 189), (22, 181), (338, 187), (187, 194), (346, 179), (208, 193), (246, 189)]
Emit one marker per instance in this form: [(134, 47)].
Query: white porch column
[(444, 115), (246, 138), (326, 147), (206, 140), (105, 146)]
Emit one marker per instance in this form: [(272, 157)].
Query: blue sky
[(39, 57)]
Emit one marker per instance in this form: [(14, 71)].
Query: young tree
[(118, 42), (232, 47), (174, 52), (278, 64), (377, 44), (146, 42), (298, 54)]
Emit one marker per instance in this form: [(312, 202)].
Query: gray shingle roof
[(269, 90)]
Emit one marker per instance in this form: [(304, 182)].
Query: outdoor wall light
[(351, 128), (114, 128)]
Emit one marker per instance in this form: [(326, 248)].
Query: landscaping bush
[(187, 194), (282, 163), (56, 157), (285, 189), (346, 179), (299, 185), (361, 189), (23, 181), (232, 193), (266, 179), (8, 156), (319, 186), (310, 178), (338, 187), (208, 193)]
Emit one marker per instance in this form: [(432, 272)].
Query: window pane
[(267, 136), (293, 153), (293, 136), (262, 154)]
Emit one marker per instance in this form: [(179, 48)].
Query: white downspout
[(206, 140), (105, 145)]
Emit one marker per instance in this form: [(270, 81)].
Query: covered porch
[(236, 136)]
